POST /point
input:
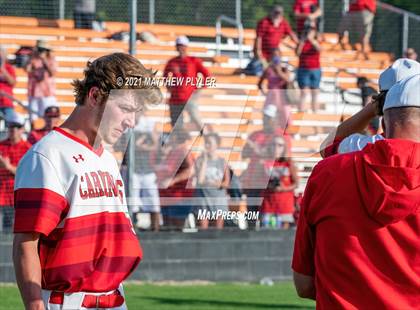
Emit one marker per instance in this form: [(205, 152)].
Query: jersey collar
[(97, 151)]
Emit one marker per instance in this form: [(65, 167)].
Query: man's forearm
[(28, 270)]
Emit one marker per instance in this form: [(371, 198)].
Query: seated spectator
[(7, 81), (52, 118), (358, 21), (144, 178), (410, 53), (305, 11), (309, 71), (277, 76), (11, 151), (173, 171), (278, 205), (254, 179), (213, 179), (368, 92), (271, 30), (41, 84)]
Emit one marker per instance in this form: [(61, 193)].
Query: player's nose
[(130, 120)]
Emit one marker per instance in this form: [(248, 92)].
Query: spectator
[(360, 218), (277, 76), (145, 180), (52, 118), (11, 151), (305, 11), (254, 179), (270, 32), (347, 138), (173, 171), (279, 200), (368, 92), (182, 67), (358, 21), (309, 72), (411, 53), (7, 81), (41, 85), (84, 13), (213, 179)]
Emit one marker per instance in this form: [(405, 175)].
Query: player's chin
[(113, 137)]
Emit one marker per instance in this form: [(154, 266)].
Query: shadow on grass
[(222, 304)]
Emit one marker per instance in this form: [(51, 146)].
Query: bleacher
[(233, 108)]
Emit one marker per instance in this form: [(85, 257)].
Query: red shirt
[(6, 87), (254, 176), (303, 6), (361, 5), (270, 35), (310, 57), (14, 152), (278, 202), (183, 68), (36, 135), (359, 227)]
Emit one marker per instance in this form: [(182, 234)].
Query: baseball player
[(74, 242)]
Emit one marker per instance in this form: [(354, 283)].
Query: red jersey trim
[(99, 151)]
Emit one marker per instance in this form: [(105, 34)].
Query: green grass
[(195, 297)]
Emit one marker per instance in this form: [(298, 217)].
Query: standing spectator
[(254, 179), (279, 200), (305, 11), (271, 30), (41, 84), (368, 92), (213, 178), (411, 53), (7, 81), (277, 76), (84, 13), (145, 180), (309, 72), (173, 171), (182, 67), (11, 151), (51, 118), (358, 21), (357, 239)]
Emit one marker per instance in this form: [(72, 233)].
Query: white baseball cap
[(405, 93), (182, 40), (15, 118), (399, 70), (270, 110)]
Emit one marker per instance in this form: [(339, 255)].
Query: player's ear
[(94, 96)]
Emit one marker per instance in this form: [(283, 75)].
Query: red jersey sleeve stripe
[(38, 210)]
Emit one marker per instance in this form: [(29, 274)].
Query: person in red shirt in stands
[(51, 118), (309, 72), (305, 11), (7, 81), (358, 20), (184, 95), (357, 239), (11, 151), (278, 205), (271, 30)]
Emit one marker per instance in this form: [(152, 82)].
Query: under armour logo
[(80, 157)]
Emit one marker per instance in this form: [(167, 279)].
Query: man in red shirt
[(359, 21), (305, 10), (11, 151), (270, 32), (51, 118), (7, 81), (357, 243), (185, 69)]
